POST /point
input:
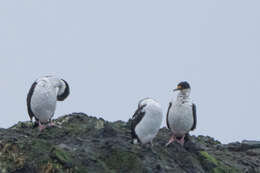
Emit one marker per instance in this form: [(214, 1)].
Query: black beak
[(176, 89)]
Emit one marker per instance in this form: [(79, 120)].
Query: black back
[(29, 98), (66, 92), (194, 113), (167, 123), (137, 117)]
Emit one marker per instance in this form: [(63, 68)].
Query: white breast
[(180, 118), (149, 126), (43, 101)]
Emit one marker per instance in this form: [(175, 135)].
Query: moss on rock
[(85, 144), (212, 165), (122, 161), (61, 156)]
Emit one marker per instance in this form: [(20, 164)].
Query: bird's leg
[(41, 127), (181, 141), (51, 123), (172, 139)]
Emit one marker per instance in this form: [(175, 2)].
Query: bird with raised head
[(181, 115)]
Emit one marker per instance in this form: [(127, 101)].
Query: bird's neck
[(61, 87), (183, 96), (57, 83)]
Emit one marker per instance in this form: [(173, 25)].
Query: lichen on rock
[(85, 144)]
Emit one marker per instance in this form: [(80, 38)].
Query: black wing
[(194, 113), (167, 123), (29, 98), (137, 117)]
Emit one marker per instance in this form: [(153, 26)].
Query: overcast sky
[(113, 53)]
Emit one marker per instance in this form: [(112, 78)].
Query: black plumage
[(29, 98), (137, 117), (194, 113), (167, 123)]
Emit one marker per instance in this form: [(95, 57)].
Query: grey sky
[(114, 53)]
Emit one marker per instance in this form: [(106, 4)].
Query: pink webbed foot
[(172, 139), (51, 124), (41, 127), (181, 141)]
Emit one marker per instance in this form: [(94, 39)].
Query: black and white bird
[(42, 98), (181, 115), (146, 121)]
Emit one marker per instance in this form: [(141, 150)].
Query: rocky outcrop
[(85, 144)]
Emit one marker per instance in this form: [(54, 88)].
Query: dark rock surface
[(84, 144)]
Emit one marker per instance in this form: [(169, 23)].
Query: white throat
[(55, 82), (183, 95)]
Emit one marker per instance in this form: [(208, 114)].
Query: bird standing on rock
[(146, 121), (42, 98), (181, 115)]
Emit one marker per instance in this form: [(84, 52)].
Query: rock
[(253, 152), (251, 142), (244, 146), (86, 144)]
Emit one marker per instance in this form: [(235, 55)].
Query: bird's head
[(183, 87), (64, 91)]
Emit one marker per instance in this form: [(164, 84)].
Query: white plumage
[(181, 114), (42, 97), (146, 121)]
